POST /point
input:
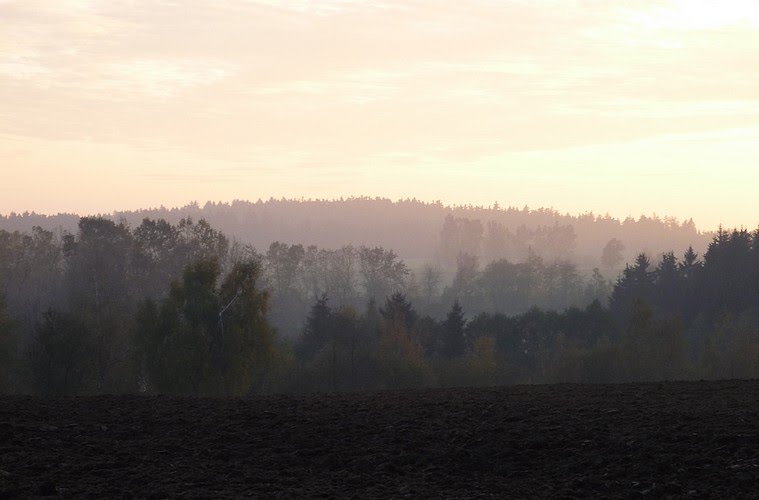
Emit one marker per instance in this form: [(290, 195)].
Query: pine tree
[(453, 343), (316, 333)]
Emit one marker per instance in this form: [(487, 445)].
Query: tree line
[(414, 229), (182, 309)]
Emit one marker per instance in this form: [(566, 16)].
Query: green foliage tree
[(100, 291), (8, 348), (60, 356), (399, 355), (483, 364), (399, 310), (732, 347), (31, 271), (203, 339), (247, 340), (156, 259), (652, 349)]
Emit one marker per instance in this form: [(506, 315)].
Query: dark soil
[(696, 439)]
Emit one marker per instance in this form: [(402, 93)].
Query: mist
[(304, 295)]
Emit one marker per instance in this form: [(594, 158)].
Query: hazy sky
[(622, 107)]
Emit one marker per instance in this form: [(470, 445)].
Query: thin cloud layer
[(277, 91)]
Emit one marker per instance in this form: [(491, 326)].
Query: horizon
[(448, 206), (628, 109)]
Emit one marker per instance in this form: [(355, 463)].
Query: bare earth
[(697, 439)]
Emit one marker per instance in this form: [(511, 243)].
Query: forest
[(418, 231), (182, 308)]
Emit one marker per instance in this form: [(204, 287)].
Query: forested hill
[(416, 229)]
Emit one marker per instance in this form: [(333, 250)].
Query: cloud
[(353, 84), (162, 78), (320, 7)]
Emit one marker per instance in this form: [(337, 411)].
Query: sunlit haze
[(625, 108)]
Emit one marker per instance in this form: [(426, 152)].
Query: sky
[(618, 107)]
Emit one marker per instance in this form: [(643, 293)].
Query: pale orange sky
[(625, 107)]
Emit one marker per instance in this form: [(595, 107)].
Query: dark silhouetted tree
[(318, 328), (636, 283), (398, 309), (453, 338), (8, 350), (60, 356), (207, 340)]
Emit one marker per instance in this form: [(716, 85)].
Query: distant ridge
[(410, 227)]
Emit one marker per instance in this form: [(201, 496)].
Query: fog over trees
[(488, 296), (418, 231)]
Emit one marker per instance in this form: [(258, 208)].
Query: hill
[(415, 229)]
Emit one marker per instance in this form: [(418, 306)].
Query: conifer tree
[(453, 336)]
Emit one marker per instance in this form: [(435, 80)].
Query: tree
[(398, 310), (555, 242), (31, 271), (460, 235), (561, 285), (729, 276), (732, 348), (636, 283), (283, 263), (100, 293), (507, 287), (156, 261), (247, 340), (283, 267), (652, 349), (495, 244), (465, 286), (453, 340), (59, 356), (669, 284), (202, 242), (382, 272), (349, 348), (430, 283), (483, 364), (316, 333), (690, 264), (207, 340), (340, 267), (598, 288), (7, 349), (611, 256), (399, 355)]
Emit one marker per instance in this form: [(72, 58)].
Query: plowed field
[(698, 439)]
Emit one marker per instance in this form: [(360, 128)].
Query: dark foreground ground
[(657, 440)]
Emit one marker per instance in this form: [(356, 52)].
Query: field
[(697, 439)]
